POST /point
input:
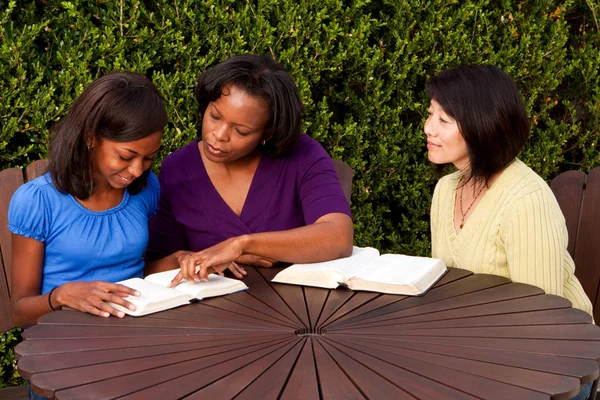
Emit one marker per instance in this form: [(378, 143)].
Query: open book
[(157, 296), (367, 270)]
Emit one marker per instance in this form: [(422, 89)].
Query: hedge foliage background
[(360, 67)]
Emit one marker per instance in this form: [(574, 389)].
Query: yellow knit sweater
[(517, 231)]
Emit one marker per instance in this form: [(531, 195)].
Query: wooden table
[(471, 336)]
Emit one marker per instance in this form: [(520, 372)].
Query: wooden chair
[(578, 195), (345, 173), (10, 180)]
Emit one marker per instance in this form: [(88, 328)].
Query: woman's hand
[(255, 261), (215, 259), (92, 297)]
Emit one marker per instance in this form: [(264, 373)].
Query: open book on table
[(367, 270), (157, 296)]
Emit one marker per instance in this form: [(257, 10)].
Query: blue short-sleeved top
[(80, 244)]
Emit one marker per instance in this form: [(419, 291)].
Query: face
[(117, 164), (445, 143), (233, 125)]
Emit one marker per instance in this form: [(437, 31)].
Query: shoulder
[(39, 189), (152, 188), (308, 146), (307, 153), (519, 181), (147, 199), (180, 163), (180, 156), (31, 208), (152, 184), (307, 157), (525, 191)]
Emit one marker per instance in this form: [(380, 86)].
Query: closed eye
[(124, 158), (241, 132), (215, 117)]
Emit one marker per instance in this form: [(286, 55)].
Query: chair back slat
[(35, 169), (579, 198), (10, 180), (587, 248), (568, 189), (345, 174), (5, 305)]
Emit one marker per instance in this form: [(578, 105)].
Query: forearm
[(164, 264), (322, 241), (27, 310)]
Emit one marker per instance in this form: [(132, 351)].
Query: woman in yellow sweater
[(494, 215)]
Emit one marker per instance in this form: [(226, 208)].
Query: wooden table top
[(471, 336)]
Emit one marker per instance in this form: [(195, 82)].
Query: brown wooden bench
[(578, 195), (10, 180)]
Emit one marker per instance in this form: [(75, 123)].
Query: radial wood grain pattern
[(469, 337)]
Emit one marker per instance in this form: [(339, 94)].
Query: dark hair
[(490, 114), (120, 107), (262, 77)]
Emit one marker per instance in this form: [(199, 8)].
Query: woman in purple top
[(253, 190)]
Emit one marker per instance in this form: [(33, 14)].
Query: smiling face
[(233, 125), (445, 143), (116, 164)]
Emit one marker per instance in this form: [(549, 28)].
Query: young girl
[(84, 224)]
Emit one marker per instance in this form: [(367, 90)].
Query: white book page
[(215, 286), (398, 269), (150, 294), (345, 266)]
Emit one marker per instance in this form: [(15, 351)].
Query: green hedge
[(360, 67), (8, 367)]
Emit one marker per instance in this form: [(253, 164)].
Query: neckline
[(112, 210), (476, 211), (214, 190)]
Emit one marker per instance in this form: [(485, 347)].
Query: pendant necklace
[(462, 221)]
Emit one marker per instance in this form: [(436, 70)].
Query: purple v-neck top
[(285, 193)]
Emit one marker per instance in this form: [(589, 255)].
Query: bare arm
[(28, 305), (330, 237), (164, 264), (26, 282)]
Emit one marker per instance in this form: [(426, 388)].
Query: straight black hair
[(120, 107), (489, 111), (262, 77)]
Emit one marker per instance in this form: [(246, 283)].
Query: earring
[(264, 142)]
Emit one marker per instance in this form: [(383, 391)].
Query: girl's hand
[(92, 297)]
